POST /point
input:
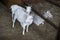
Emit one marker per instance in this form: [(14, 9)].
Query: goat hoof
[(23, 33), (13, 26)]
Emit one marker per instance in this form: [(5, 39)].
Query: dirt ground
[(42, 32)]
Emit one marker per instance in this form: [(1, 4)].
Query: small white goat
[(28, 22), (48, 14), (38, 20), (20, 14)]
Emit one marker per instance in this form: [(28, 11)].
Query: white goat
[(29, 21), (38, 20), (20, 14), (48, 14)]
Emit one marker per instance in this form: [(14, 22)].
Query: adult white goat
[(21, 15)]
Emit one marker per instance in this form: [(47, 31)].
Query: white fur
[(38, 20), (48, 14), (20, 14), (14, 9), (28, 9), (24, 17)]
